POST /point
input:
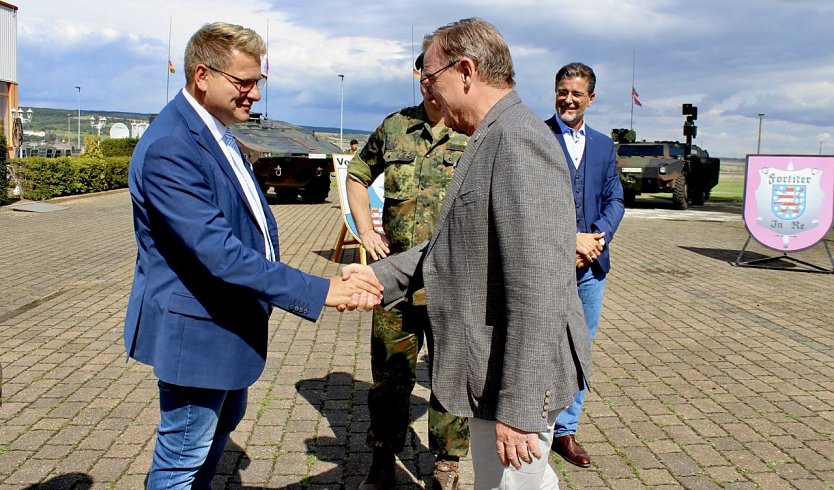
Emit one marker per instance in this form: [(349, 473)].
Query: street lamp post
[(759, 144), (102, 121), (341, 112), (18, 114), (79, 117)]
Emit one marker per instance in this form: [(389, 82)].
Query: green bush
[(92, 146), (44, 178), (4, 181), (122, 147)]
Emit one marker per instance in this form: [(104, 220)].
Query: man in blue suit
[(208, 271), (598, 195)]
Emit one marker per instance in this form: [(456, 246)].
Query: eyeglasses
[(243, 86), (427, 80), (562, 93)]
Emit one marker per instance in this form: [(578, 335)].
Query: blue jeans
[(194, 426), (591, 287)]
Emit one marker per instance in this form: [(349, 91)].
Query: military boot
[(445, 474), (381, 475)]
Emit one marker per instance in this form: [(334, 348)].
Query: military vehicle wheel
[(315, 194), (679, 193), (629, 197), (696, 196), (261, 181)]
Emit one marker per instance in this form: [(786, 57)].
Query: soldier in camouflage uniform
[(418, 154)]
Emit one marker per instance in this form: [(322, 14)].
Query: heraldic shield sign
[(789, 200)]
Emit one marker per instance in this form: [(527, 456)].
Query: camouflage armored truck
[(288, 158), (661, 166)]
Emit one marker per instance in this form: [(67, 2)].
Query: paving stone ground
[(707, 375)]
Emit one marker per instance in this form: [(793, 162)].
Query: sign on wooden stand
[(788, 205), (377, 199)]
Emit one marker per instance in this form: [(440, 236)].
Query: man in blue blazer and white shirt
[(208, 272), (598, 195)]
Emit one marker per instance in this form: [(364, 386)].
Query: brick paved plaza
[(707, 375)]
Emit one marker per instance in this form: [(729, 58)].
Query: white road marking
[(681, 215)]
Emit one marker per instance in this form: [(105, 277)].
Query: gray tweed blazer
[(510, 341)]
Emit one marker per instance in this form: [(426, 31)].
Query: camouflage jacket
[(418, 167)]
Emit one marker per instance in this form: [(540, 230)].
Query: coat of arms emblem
[(789, 205)]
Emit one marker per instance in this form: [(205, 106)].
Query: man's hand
[(356, 287), (582, 262), (514, 445), (375, 243), (588, 245)]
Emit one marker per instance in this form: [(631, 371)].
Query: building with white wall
[(9, 95)]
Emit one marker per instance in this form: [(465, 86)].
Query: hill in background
[(62, 125)]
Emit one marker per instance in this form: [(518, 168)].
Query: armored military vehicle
[(290, 159), (684, 169), (660, 166)]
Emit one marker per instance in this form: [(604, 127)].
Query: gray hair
[(479, 40), (577, 70)]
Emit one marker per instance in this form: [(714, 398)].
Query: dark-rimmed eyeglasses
[(243, 86), (427, 80)]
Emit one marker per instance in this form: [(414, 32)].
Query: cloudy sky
[(733, 59)]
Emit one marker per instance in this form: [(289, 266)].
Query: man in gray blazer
[(511, 345)]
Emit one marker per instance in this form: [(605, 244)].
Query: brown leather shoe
[(381, 475), (445, 475), (568, 448)]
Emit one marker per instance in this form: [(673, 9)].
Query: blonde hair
[(212, 45), (479, 40)]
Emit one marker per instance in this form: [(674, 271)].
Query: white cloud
[(732, 59)]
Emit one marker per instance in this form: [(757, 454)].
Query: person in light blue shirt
[(598, 196)]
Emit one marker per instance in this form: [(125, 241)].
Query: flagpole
[(631, 95), (168, 79), (413, 88), (266, 87)]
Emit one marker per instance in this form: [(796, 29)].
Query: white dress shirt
[(574, 141), (244, 177)]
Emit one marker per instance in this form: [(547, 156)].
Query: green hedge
[(44, 178), (4, 182), (121, 147)]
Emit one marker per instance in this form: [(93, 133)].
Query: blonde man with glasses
[(208, 270)]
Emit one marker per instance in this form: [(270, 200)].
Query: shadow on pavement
[(334, 396), (730, 255), (74, 481), (776, 261), (350, 254)]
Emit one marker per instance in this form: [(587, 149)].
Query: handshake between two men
[(355, 288)]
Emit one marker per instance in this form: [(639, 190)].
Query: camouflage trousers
[(396, 340)]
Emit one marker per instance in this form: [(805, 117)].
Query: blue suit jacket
[(602, 196), (202, 289)]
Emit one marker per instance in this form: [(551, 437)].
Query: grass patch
[(730, 188)]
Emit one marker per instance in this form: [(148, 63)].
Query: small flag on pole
[(171, 68), (634, 98)]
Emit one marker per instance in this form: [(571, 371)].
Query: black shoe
[(381, 475)]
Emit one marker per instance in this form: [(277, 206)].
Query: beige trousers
[(490, 475)]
